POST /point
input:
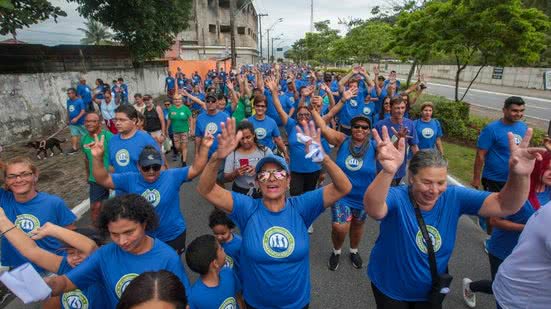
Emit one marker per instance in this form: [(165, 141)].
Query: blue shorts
[(97, 193), (341, 214), (77, 130)]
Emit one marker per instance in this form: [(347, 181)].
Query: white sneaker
[(310, 229), (468, 296)]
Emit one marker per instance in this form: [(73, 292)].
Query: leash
[(43, 142)]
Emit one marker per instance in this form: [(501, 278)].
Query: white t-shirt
[(524, 278)]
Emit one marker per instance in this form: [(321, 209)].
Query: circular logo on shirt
[(71, 108), (229, 303), (353, 103), (278, 242), (292, 99), (75, 300), (353, 164), (122, 157), (27, 223), (152, 196), (517, 138), (260, 133), (427, 132), (434, 237), (229, 262), (367, 111), (123, 282), (212, 128)]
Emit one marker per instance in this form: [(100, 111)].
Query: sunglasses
[(357, 126), (264, 176), (305, 115), (153, 167)]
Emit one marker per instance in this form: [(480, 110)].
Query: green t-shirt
[(87, 139), (179, 118), (242, 110)]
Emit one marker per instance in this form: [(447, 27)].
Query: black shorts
[(492, 186), (178, 243), (97, 193)]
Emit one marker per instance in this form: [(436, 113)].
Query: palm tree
[(96, 34)]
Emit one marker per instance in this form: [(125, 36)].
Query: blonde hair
[(20, 160), (425, 104)]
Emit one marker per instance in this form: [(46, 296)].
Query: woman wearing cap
[(356, 157), (160, 188), (78, 248), (428, 130), (429, 209), (275, 249)]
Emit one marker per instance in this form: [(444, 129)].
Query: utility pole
[(311, 15), (268, 42), (260, 32), (232, 40)]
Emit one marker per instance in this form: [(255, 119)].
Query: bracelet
[(11, 228)]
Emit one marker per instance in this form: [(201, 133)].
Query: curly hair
[(218, 217), (133, 207), (154, 285)]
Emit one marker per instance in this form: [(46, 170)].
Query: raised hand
[(376, 69), (307, 91), (349, 94), (390, 157), (96, 147), (229, 84), (228, 139), (207, 140), (523, 157), (325, 88), (271, 84), (402, 133), (314, 133)]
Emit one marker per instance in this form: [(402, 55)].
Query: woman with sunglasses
[(275, 249), (356, 157), (160, 188)]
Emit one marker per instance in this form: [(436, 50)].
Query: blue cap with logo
[(272, 159), (150, 156)]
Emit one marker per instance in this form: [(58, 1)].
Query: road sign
[(498, 73), (547, 80)]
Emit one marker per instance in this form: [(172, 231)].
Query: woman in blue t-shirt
[(274, 257), (399, 264), (384, 113), (506, 231), (428, 130)]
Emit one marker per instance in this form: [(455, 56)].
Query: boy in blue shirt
[(223, 229), (218, 286), (75, 118)]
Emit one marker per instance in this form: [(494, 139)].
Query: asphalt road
[(537, 108)]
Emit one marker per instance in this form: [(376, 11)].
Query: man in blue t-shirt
[(75, 118), (170, 85), (85, 93), (209, 122)]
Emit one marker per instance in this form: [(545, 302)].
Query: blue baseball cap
[(272, 159)]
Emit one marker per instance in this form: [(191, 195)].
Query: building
[(209, 32)]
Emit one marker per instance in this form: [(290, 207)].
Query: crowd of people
[(268, 133)]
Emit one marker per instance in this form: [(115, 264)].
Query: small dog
[(43, 146)]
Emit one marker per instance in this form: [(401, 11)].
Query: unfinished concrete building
[(209, 32)]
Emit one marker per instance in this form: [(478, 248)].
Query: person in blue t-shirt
[(75, 118), (356, 157), (29, 209), (170, 85), (126, 219), (223, 229), (78, 245), (428, 130), (265, 128), (217, 286), (154, 289), (160, 188), (506, 231), (401, 127), (274, 259), (85, 93), (209, 122), (401, 249), (126, 146), (99, 90), (351, 108), (124, 90)]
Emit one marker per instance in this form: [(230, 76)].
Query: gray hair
[(426, 158)]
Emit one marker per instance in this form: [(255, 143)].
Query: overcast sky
[(295, 14)]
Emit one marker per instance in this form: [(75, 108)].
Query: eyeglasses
[(305, 115), (357, 126), (264, 176), (260, 106), (24, 175), (152, 167)]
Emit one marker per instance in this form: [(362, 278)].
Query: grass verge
[(460, 161)]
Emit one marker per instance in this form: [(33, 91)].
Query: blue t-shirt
[(181, 83), (233, 249), (124, 153), (74, 107), (116, 268), (270, 107), (369, 110), (360, 172), (265, 130), (222, 296), (274, 259), (298, 163), (211, 124), (399, 265), (351, 108), (28, 217), (427, 133), (502, 242), (200, 96), (92, 297), (163, 194), (169, 81), (407, 123), (493, 138), (85, 93)]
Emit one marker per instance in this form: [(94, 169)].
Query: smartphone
[(243, 162)]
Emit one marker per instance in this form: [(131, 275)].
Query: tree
[(95, 34), (500, 32), (364, 43), (297, 52), (147, 28), (18, 14), (317, 44)]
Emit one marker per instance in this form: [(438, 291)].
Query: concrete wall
[(512, 76), (34, 105)]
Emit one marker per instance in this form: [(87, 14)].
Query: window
[(241, 30), (249, 31), (225, 29), (212, 28)]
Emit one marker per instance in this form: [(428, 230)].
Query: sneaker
[(333, 263), (310, 229), (356, 260), (468, 296), (72, 151)]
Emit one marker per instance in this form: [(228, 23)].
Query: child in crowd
[(222, 228)]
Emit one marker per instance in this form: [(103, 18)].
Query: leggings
[(303, 182), (385, 302), (485, 286)]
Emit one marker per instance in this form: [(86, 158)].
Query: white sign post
[(547, 80)]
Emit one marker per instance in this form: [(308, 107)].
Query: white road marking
[(494, 93)]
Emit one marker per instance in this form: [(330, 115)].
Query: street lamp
[(268, 31)]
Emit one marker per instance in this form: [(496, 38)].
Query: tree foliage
[(95, 34), (363, 43), (148, 28), (19, 14)]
